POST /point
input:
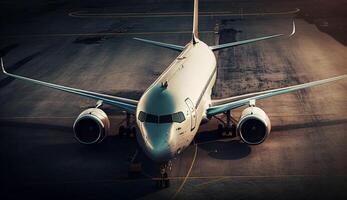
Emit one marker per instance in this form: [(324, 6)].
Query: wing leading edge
[(222, 105), (124, 103)]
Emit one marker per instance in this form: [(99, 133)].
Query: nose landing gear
[(164, 181)]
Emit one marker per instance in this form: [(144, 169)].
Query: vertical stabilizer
[(196, 21)]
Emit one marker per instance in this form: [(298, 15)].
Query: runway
[(304, 157)]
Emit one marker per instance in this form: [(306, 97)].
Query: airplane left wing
[(222, 105), (124, 103), (161, 44)]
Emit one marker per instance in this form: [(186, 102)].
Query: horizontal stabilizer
[(161, 44), (233, 44)]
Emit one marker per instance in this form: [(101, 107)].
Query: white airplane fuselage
[(184, 88)]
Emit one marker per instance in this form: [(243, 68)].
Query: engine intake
[(91, 126), (254, 125)]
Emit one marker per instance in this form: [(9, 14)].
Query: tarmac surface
[(89, 45)]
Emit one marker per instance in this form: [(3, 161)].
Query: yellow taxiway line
[(211, 181), (188, 173)]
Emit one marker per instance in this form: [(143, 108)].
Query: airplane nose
[(157, 140)]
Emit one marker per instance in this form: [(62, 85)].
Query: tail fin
[(196, 21)]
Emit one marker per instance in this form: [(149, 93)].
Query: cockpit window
[(176, 117), (142, 116), (165, 119), (151, 118)]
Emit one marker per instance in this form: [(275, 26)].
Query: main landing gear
[(127, 128), (228, 127), (164, 181)]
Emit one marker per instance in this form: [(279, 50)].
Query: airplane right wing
[(124, 103), (237, 43), (222, 105)]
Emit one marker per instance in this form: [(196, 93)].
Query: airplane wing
[(232, 44), (161, 44), (222, 105), (124, 103)]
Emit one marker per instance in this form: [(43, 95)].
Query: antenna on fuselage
[(164, 84)]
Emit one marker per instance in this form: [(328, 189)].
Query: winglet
[(294, 29), (2, 66), (242, 42)]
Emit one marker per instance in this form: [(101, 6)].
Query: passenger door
[(191, 108)]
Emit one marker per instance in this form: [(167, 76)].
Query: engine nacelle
[(254, 125), (91, 126)]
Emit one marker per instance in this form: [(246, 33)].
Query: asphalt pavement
[(89, 45)]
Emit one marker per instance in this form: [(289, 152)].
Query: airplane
[(170, 111)]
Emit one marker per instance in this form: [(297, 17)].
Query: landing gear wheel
[(159, 184), (164, 181), (229, 131), (228, 127), (167, 183)]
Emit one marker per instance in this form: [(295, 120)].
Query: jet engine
[(254, 125), (91, 126)]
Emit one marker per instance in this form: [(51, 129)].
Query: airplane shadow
[(56, 158), (221, 148), (230, 149), (109, 159), (320, 123), (227, 150), (106, 151)]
